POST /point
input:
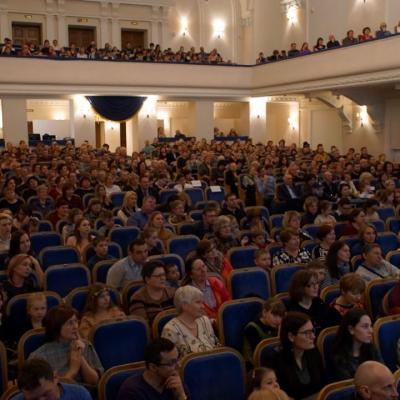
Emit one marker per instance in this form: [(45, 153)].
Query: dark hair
[(299, 281), (149, 267), (369, 247), (323, 231), (188, 269), (343, 341), (291, 323), (203, 247), (94, 291), (15, 244), (287, 234), (152, 352), (209, 209), (275, 306), (354, 214), (56, 318), (136, 242), (32, 371), (331, 258)]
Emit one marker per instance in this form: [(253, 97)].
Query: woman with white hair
[(191, 331)]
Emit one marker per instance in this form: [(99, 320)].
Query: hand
[(174, 383), (79, 345), (75, 360)]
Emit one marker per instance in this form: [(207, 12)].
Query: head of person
[(5, 225), (62, 324), (311, 205), (263, 259), (338, 253), (156, 220), (272, 312), (368, 234), (326, 234), (195, 271), (188, 300), (19, 266), (138, 251), (129, 201), (98, 298), (262, 378), (355, 327), (82, 228), (172, 272), (292, 220), (19, 243), (318, 268), (153, 274), (297, 332), (325, 207), (344, 206), (36, 306), (222, 226), (375, 381), (209, 215), (36, 380), (177, 207), (372, 254), (231, 201), (95, 206), (290, 239), (207, 250), (149, 204), (352, 288), (304, 284)]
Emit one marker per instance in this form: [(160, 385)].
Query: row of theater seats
[(123, 357)]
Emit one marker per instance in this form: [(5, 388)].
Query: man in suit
[(145, 189), (289, 194)]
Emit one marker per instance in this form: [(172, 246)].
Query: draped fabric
[(116, 108)]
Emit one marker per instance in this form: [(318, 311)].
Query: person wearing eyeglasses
[(160, 380), (297, 363), (304, 297), (353, 344), (155, 296)]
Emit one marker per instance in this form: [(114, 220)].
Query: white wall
[(59, 128)]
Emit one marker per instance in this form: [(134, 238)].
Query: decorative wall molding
[(287, 4)]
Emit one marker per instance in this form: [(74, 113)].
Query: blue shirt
[(139, 219), (68, 392)]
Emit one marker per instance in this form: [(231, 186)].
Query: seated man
[(161, 378), (36, 380), (374, 381), (232, 206)]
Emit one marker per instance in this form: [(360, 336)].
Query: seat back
[(388, 241), (233, 316), (274, 248), (393, 224), (394, 258), (114, 250), (117, 198), (339, 228), (330, 293), (3, 369), (165, 194), (375, 292), (111, 381), (127, 292), (249, 282), (312, 230), (275, 221), (29, 342), (124, 236), (183, 245), (385, 212), (77, 298), (40, 240), (337, 391), (215, 193), (45, 226), (263, 211), (386, 336), (242, 257), (64, 278), (214, 375), (57, 255), (324, 345), (195, 194), (265, 351), (309, 245), (100, 270), (187, 228), (132, 336), (378, 224), (281, 276), (161, 319)]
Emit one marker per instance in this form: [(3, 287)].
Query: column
[(62, 31), (83, 121), (147, 122), (15, 125), (4, 25), (202, 119), (50, 27), (258, 120), (164, 40), (104, 34), (116, 33), (155, 37)]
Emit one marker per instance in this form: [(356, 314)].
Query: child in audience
[(101, 248), (262, 378), (319, 269), (173, 275), (107, 218), (258, 239), (263, 259), (154, 245), (325, 217)]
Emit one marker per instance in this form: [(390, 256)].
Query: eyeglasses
[(308, 333), (170, 363), (162, 275)]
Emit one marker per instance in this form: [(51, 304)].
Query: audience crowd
[(323, 211)]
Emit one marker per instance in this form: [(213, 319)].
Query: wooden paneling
[(26, 33), (135, 37), (81, 35)]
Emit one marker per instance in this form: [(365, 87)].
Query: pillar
[(62, 31), (202, 121), (258, 120), (15, 124), (146, 123), (51, 27), (116, 33), (4, 25), (84, 127), (104, 34)]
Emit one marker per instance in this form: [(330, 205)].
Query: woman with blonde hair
[(177, 214), (157, 222), (268, 394), (292, 220), (366, 188), (99, 307), (128, 207)]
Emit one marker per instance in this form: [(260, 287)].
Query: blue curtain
[(116, 108)]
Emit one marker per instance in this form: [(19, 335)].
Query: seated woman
[(72, 357), (304, 297), (326, 236), (155, 296), (264, 327), (214, 290), (366, 189), (110, 185), (100, 193), (74, 216), (352, 344), (310, 210), (370, 210), (319, 45), (325, 216), (177, 214), (298, 364), (20, 277), (93, 210), (213, 258), (352, 289), (366, 34), (337, 262), (128, 208), (291, 252), (154, 245), (367, 235), (292, 220), (99, 307), (157, 222), (191, 331), (356, 222), (385, 198), (21, 243), (224, 238), (81, 237), (74, 200)]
